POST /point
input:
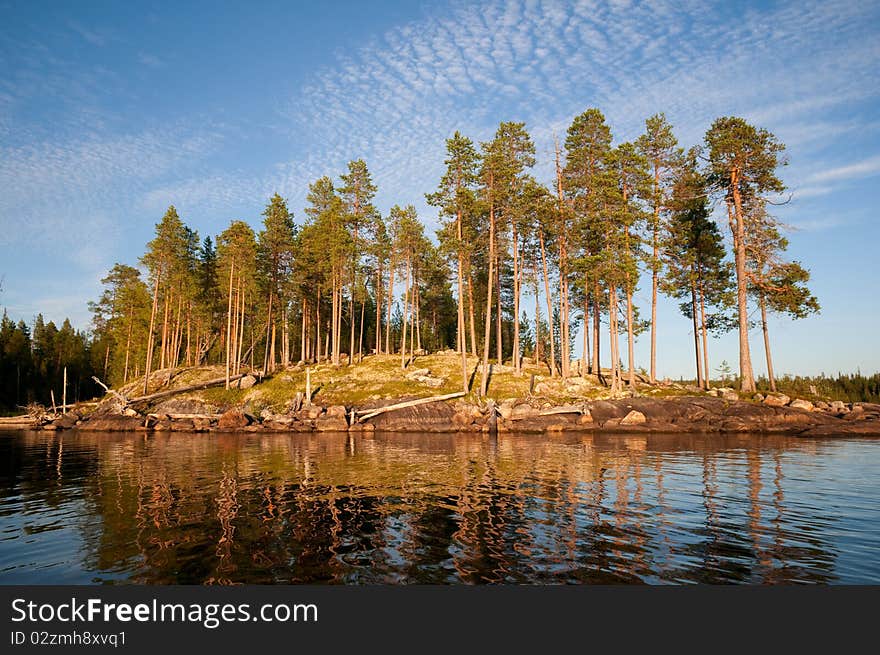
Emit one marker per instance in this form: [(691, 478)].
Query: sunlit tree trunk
[(696, 335), (150, 338), (770, 375), (549, 299)]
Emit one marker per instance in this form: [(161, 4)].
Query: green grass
[(381, 378)]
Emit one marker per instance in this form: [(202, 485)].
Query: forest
[(519, 268)]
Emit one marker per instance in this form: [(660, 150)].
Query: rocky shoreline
[(681, 414)]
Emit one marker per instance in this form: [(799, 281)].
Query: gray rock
[(729, 394), (417, 373), (800, 403), (634, 417), (247, 382), (776, 399)]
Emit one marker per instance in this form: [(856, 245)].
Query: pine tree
[(742, 165)]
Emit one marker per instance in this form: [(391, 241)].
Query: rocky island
[(377, 394)]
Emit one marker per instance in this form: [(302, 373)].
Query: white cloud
[(865, 168)]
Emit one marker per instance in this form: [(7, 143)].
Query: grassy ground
[(381, 378)]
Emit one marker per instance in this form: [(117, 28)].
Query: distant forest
[(348, 281)]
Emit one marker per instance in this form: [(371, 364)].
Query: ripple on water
[(400, 509)]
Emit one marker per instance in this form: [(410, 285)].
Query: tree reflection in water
[(384, 508)]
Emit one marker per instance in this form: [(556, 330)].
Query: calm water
[(437, 509)]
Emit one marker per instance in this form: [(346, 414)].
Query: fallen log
[(17, 420), (216, 382), (370, 413)]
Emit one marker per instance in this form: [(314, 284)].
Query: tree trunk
[(379, 308), (597, 319), (612, 337), (655, 275), (163, 354), (537, 354), (471, 312), (747, 384), (498, 345), (241, 329), (228, 322), (269, 328), (462, 337), (516, 290), (549, 305), (484, 381), (405, 309), (705, 337), (696, 335), (390, 305), (563, 273), (361, 336), (128, 343), (417, 315), (770, 375), (150, 338)]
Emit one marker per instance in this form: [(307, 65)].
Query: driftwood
[(26, 419), (370, 413), (111, 391), (216, 382)]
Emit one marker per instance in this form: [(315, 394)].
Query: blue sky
[(109, 112)]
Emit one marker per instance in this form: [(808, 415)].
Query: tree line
[(349, 281)]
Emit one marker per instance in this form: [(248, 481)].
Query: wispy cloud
[(861, 169), (396, 99), (91, 35), (150, 60)]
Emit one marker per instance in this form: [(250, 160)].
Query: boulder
[(729, 394), (758, 398), (821, 404), (336, 411), (233, 420), (66, 421), (523, 411), (800, 403), (542, 387), (634, 417), (713, 392), (331, 424), (310, 413), (246, 382), (837, 406), (417, 373), (776, 399)]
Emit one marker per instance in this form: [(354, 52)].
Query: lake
[(176, 508)]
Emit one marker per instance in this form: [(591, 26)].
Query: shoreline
[(680, 414)]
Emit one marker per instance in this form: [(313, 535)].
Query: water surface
[(426, 508)]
